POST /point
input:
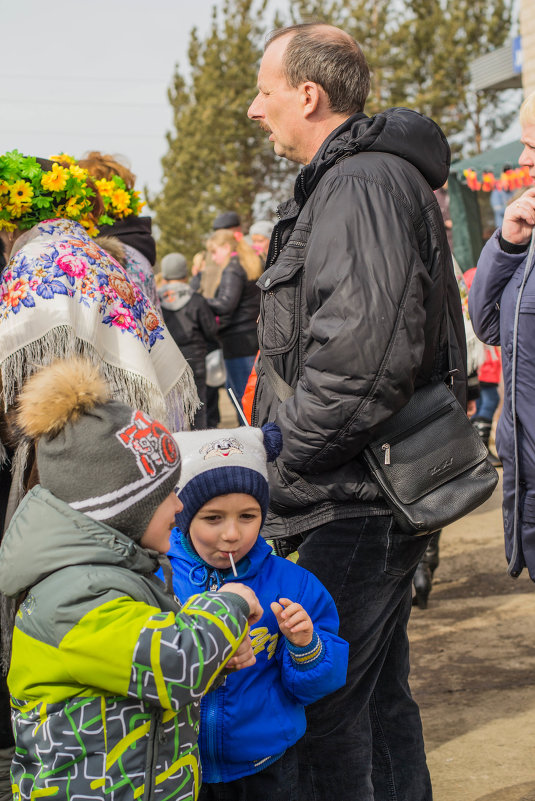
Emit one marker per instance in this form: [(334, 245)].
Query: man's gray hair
[(327, 56)]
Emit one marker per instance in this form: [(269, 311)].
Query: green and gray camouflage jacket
[(107, 671)]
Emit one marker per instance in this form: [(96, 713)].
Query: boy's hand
[(244, 656), (255, 610), (293, 621)]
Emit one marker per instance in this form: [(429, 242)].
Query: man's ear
[(310, 97)]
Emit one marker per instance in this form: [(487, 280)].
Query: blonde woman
[(237, 304)]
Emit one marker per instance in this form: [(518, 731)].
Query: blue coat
[(259, 711), (492, 302)]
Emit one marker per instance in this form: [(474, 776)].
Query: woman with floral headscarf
[(61, 294)]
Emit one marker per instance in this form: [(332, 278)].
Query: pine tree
[(217, 159), (439, 41)]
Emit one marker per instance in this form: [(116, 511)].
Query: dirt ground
[(473, 667), (473, 663)]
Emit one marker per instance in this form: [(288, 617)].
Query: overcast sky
[(78, 76)]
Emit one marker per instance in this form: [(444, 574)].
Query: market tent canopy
[(491, 159), (464, 208)]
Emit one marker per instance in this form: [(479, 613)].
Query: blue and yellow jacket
[(259, 712), (107, 671)]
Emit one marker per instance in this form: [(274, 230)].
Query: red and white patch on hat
[(152, 444)]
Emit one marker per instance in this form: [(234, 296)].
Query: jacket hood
[(136, 232), (46, 535), (200, 572), (399, 131), (174, 295)]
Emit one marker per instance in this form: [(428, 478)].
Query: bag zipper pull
[(386, 449)]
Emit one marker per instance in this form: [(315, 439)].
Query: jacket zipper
[(209, 713), (211, 727), (386, 446), (273, 252), (152, 755), (212, 581)]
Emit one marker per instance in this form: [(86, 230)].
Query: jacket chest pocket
[(527, 304), (281, 287)]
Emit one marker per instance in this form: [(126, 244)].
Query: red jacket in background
[(490, 371)]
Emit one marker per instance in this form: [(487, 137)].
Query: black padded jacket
[(353, 310), (237, 303)]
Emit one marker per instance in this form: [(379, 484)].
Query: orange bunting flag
[(509, 181)]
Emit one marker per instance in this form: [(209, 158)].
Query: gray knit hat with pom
[(109, 461)]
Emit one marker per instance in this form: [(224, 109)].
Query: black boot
[(431, 554), (483, 428), (422, 585), (423, 577)]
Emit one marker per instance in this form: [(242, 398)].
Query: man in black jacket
[(352, 321)]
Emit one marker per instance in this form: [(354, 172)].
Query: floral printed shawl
[(61, 294)]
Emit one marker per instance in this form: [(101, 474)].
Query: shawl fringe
[(176, 409)]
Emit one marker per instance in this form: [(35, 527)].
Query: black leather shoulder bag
[(430, 462), (428, 459)]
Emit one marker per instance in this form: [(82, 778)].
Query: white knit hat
[(220, 461)]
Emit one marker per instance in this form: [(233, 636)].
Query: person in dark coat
[(190, 322), (236, 303), (502, 281), (352, 321)]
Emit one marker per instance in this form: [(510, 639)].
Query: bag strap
[(530, 261), (282, 390)]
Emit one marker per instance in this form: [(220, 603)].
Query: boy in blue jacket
[(249, 726)]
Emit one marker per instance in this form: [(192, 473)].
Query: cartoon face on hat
[(221, 448)]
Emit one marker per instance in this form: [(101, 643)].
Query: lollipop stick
[(233, 565)]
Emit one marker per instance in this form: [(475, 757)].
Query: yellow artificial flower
[(4, 188), (72, 207), (56, 179), (89, 225), (120, 200), (78, 172), (141, 203), (105, 187), (20, 192), (64, 158), (7, 225), (17, 209)]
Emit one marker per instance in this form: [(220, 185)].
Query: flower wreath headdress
[(119, 201), (30, 194)]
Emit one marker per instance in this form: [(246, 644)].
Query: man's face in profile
[(276, 107)]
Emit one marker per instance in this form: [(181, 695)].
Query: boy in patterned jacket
[(107, 671), (250, 724)]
